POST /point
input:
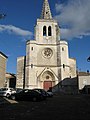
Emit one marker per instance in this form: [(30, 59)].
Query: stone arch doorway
[(48, 80)]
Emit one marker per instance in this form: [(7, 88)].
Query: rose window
[(47, 52)]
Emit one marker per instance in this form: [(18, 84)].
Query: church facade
[(47, 59)]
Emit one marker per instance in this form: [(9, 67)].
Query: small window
[(62, 49), (49, 31), (44, 31), (47, 77), (63, 65), (31, 48), (31, 65)]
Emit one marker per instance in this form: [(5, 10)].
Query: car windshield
[(37, 91), (12, 89), (4, 89), (18, 90), (25, 91)]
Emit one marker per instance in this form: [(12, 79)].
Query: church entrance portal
[(47, 85), (48, 80)]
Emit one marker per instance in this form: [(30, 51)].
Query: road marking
[(10, 101)]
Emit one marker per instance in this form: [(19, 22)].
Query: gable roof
[(3, 54)]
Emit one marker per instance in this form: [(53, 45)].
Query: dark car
[(27, 95), (50, 94), (18, 90), (42, 91)]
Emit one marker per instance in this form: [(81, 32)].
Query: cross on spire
[(46, 13)]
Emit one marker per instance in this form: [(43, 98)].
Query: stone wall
[(83, 81), (3, 60), (67, 86), (72, 63), (20, 72)]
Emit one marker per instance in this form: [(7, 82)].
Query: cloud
[(74, 18), (15, 30)]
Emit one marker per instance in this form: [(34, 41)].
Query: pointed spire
[(46, 13)]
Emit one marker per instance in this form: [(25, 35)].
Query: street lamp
[(2, 16), (88, 59)]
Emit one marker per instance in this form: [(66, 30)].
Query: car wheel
[(8, 95), (13, 97), (34, 99)]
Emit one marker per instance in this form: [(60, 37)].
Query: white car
[(6, 92)]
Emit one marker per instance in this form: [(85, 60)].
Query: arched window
[(49, 31), (31, 48), (44, 31)]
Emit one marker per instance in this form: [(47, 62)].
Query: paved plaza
[(64, 107)]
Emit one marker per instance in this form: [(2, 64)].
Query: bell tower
[(47, 30), (47, 61)]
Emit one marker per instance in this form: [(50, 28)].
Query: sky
[(17, 27)]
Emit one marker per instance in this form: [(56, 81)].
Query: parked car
[(44, 92), (50, 94), (18, 90), (27, 95), (6, 92)]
